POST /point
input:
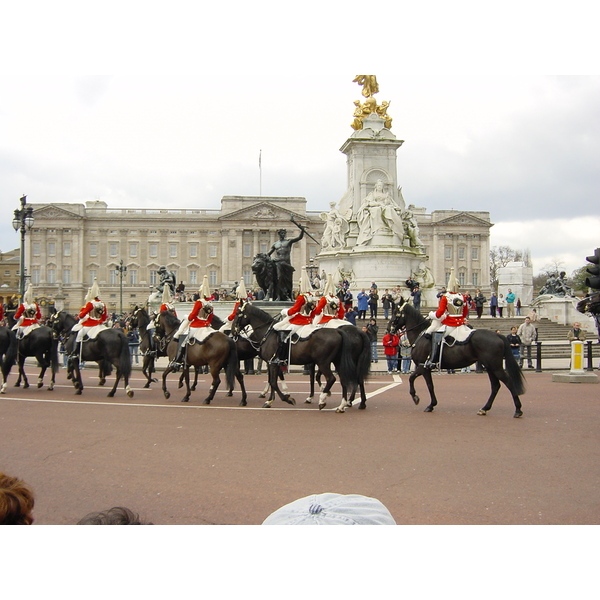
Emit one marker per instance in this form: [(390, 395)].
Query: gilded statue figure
[(370, 87), (369, 83)]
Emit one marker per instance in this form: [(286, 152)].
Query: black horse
[(43, 344), (110, 345), (8, 354), (485, 346), (323, 347)]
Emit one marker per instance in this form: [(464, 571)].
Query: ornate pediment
[(463, 219), (55, 212), (262, 211)]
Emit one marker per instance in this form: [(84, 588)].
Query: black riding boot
[(436, 341), (177, 363)]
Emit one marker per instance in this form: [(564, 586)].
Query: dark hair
[(118, 515), (16, 501)]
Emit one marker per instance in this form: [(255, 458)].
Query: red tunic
[(28, 321), (294, 312), (196, 321), (339, 314), (167, 307), (231, 317), (1, 312), (90, 321), (452, 320)]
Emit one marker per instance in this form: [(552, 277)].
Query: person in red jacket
[(28, 315), (91, 319), (390, 348), (329, 307), (201, 316), (295, 318), (452, 312)]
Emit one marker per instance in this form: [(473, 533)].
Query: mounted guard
[(167, 304), (28, 315), (329, 311), (196, 327), (296, 320), (91, 319), (448, 319)]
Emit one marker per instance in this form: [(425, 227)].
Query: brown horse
[(323, 347), (217, 351)]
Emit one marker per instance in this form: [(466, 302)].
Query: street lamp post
[(122, 269), (23, 221)]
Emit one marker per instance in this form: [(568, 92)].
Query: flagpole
[(260, 172)]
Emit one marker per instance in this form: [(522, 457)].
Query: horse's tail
[(10, 356), (54, 354), (515, 374), (363, 364), (233, 364), (346, 367), (106, 367), (124, 358)]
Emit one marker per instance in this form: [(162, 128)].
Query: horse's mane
[(260, 314), (170, 319), (217, 322)]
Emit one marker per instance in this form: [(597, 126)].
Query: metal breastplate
[(455, 304)]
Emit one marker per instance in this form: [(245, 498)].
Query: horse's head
[(168, 321), (139, 318), (240, 320)]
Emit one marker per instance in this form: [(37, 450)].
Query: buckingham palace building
[(71, 244)]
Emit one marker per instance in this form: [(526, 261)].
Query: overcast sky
[(136, 106)]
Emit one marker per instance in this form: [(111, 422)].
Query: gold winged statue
[(370, 87)]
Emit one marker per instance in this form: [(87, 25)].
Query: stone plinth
[(575, 377)]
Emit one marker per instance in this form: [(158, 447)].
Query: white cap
[(332, 509), (329, 286), (166, 295), (305, 286), (453, 285), (204, 289), (93, 292), (241, 292)]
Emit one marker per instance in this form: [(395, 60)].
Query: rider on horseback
[(201, 316), (329, 306), (167, 304), (295, 318), (28, 315), (451, 314), (91, 318)]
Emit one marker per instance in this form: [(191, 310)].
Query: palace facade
[(70, 244)]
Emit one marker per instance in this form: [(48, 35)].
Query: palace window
[(193, 277), (461, 253), (448, 252), (51, 275), (35, 276), (247, 250), (113, 249), (475, 278), (212, 250), (94, 249), (133, 249), (212, 278), (133, 276), (93, 275), (153, 277), (35, 248), (475, 253), (173, 250), (66, 276), (153, 250), (193, 250), (51, 249), (67, 249)]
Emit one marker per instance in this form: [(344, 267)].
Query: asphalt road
[(184, 464)]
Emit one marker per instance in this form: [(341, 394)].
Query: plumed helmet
[(166, 295), (241, 293), (453, 285), (329, 286), (28, 295), (305, 287), (204, 290), (94, 291)]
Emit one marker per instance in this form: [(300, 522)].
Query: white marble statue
[(336, 228), (378, 213)]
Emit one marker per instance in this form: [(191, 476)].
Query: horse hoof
[(110, 394), (416, 399), (130, 394), (206, 402), (361, 406), (78, 392), (40, 384), (185, 399), (180, 385), (101, 383), (229, 394), (322, 406), (308, 401), (147, 385), (17, 385), (339, 410), (289, 400), (266, 405), (482, 412), (50, 387), (518, 414), (25, 386), (193, 388), (167, 395), (243, 403), (430, 409), (262, 395)]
